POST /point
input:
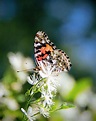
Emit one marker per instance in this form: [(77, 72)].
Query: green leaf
[(65, 105)]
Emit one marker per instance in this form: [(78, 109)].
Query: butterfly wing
[(62, 61), (47, 53), (42, 47)]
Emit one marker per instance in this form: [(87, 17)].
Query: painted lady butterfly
[(47, 54)]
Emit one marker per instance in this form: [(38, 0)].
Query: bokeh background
[(71, 25)]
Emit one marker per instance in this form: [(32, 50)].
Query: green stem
[(35, 89)]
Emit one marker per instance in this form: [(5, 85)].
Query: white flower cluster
[(47, 87)]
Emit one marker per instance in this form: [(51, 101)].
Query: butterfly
[(47, 55)]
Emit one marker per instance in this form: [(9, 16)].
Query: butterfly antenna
[(26, 70)]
